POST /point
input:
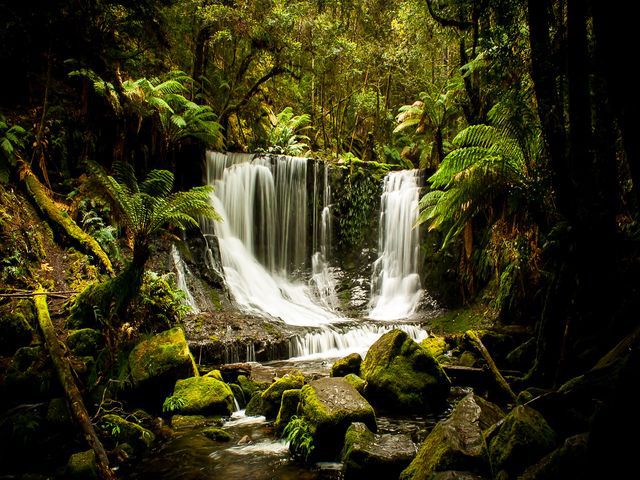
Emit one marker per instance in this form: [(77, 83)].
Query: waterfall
[(322, 278), (181, 278), (263, 234), (395, 284), (334, 342)]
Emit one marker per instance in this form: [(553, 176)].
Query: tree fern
[(12, 139)]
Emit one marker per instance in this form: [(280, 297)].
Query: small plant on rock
[(298, 434)]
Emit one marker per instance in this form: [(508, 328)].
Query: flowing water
[(395, 284), (182, 271)]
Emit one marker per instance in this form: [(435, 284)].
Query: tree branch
[(446, 22)]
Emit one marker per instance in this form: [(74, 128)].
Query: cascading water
[(322, 278), (181, 279), (262, 236), (395, 284)]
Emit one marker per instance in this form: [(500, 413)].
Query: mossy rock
[(58, 414), (216, 434), (238, 394), (248, 386), (346, 365), (82, 466), (467, 359), (203, 396), (157, 362), (401, 375), (272, 396), (369, 455), (85, 342), (214, 374), (15, 332), (358, 383), (254, 406), (288, 408), (121, 431), (457, 443), (330, 405), (436, 345), (522, 439), (192, 421)]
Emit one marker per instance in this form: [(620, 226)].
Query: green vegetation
[(297, 433)]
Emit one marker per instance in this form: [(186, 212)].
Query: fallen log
[(499, 379), (72, 393)]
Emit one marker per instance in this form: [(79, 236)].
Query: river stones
[(523, 438), (157, 362), (346, 365), (369, 455), (288, 408), (272, 396), (401, 375), (330, 405), (202, 396), (121, 431), (358, 383), (458, 442), (216, 434)]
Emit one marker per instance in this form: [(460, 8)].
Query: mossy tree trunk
[(72, 393)]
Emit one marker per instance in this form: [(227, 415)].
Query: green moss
[(203, 395), (523, 438), (344, 366), (191, 421), (216, 434), (467, 359), (121, 431), (248, 386), (272, 396), (358, 383), (214, 374), (435, 345), (475, 317), (288, 408), (166, 353), (401, 374), (85, 342), (82, 466)]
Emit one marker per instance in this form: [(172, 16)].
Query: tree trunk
[(74, 398)]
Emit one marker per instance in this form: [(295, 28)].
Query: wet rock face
[(346, 365), (458, 442), (522, 439), (203, 396), (369, 455), (402, 375), (330, 405), (156, 363)]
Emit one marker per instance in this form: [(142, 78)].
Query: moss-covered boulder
[(358, 383), (254, 406), (202, 396), (346, 365), (119, 430), (157, 362), (457, 443), (369, 455), (214, 374), (272, 396), (216, 434), (181, 422), (15, 332), (402, 375), (82, 466), (522, 439), (436, 346), (288, 408), (330, 405), (85, 342), (248, 386)]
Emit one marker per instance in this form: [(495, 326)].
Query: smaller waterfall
[(395, 286), (334, 343), (181, 278), (322, 278)]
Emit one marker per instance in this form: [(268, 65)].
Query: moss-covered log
[(500, 380), (61, 218), (74, 398)]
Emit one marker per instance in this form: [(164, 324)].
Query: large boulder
[(522, 439), (272, 396), (369, 455), (402, 375), (85, 342), (157, 362), (119, 431), (288, 408), (330, 405), (457, 444), (346, 365), (436, 345), (202, 396), (358, 383)]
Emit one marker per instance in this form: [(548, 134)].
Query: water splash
[(395, 284), (182, 271)]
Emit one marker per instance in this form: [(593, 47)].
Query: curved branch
[(446, 22)]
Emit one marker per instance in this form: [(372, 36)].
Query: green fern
[(13, 138), (173, 403), (298, 433), (284, 133)]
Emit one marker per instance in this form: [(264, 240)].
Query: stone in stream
[(369, 455), (522, 439), (157, 362), (288, 408), (272, 396), (330, 405), (346, 365), (457, 443), (217, 434), (358, 383), (403, 376), (202, 395), (122, 431), (82, 466)]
